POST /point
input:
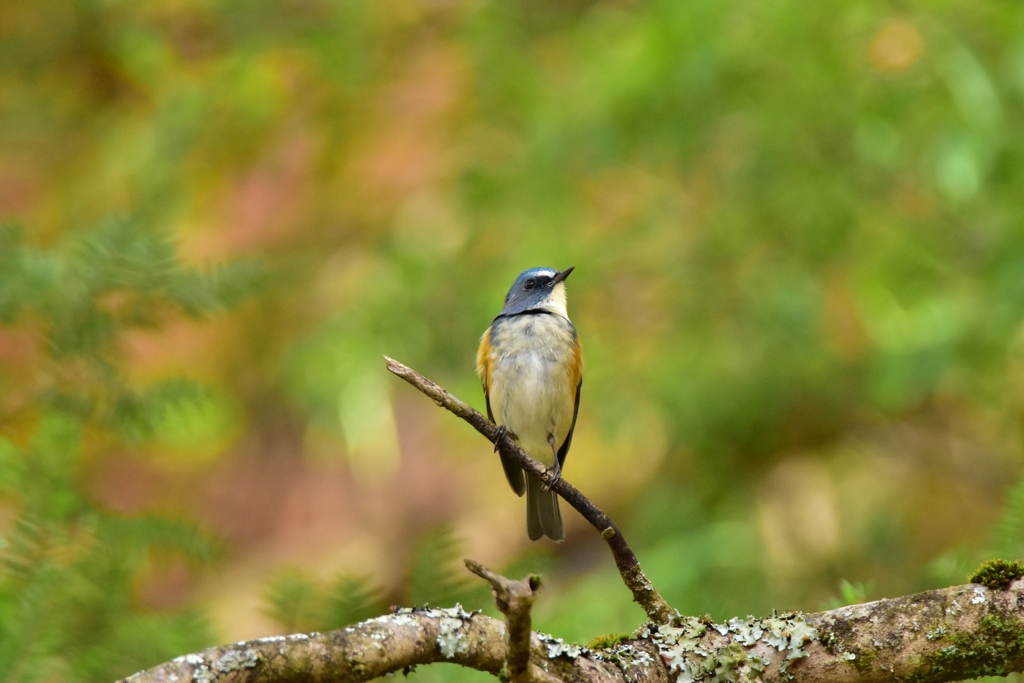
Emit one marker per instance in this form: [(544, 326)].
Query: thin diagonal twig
[(633, 575)]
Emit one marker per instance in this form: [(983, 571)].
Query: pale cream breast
[(532, 388)]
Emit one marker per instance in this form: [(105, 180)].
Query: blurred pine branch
[(352, 599), (437, 576), (294, 601), (300, 603), (69, 608)]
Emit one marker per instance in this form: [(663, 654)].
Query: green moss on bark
[(997, 574), (865, 658), (994, 649), (607, 641)]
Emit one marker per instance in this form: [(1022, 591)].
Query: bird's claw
[(557, 466), (499, 435), (555, 479)]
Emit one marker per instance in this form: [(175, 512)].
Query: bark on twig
[(658, 611), (933, 637), (515, 599)]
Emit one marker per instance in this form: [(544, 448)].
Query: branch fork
[(515, 599)]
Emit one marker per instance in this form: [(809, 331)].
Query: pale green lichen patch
[(451, 639), (456, 612), (691, 660), (747, 632), (403, 617), (626, 657), (557, 647), (236, 660), (936, 633)]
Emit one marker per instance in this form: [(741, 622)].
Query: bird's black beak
[(561, 276)]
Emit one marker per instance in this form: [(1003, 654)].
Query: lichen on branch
[(933, 637)]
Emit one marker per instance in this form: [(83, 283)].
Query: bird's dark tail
[(543, 517)]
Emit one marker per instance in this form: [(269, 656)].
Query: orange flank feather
[(577, 366), (483, 361)]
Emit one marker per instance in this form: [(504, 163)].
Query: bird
[(530, 363)]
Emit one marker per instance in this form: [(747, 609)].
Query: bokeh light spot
[(895, 47)]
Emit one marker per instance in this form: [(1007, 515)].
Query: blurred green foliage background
[(798, 232)]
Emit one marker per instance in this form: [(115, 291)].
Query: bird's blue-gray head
[(537, 289)]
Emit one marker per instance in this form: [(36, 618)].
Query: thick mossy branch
[(941, 635), (934, 637), (633, 576)]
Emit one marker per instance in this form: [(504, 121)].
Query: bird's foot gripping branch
[(942, 635)]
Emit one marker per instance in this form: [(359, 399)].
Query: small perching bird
[(531, 364)]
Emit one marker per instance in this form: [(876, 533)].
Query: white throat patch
[(557, 301)]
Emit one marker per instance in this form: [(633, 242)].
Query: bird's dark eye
[(530, 284)]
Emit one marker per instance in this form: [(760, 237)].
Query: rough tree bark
[(942, 635)]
